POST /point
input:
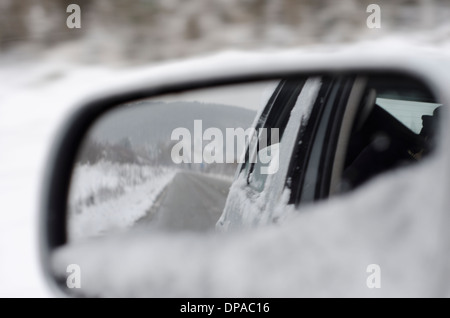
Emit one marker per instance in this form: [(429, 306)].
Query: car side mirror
[(196, 156)]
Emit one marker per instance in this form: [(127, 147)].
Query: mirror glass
[(162, 162), (238, 157)]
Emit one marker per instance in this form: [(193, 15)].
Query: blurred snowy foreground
[(398, 222)]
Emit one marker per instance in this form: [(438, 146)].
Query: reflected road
[(192, 201)]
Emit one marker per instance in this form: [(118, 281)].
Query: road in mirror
[(164, 163)]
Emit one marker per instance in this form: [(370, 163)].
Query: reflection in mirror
[(165, 162), (150, 169)]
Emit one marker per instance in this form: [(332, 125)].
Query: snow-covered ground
[(36, 96), (108, 197)]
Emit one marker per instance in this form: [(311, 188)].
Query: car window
[(271, 131), (408, 112), (252, 145), (399, 129), (393, 123)]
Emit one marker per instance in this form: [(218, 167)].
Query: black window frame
[(275, 115), (307, 138)]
